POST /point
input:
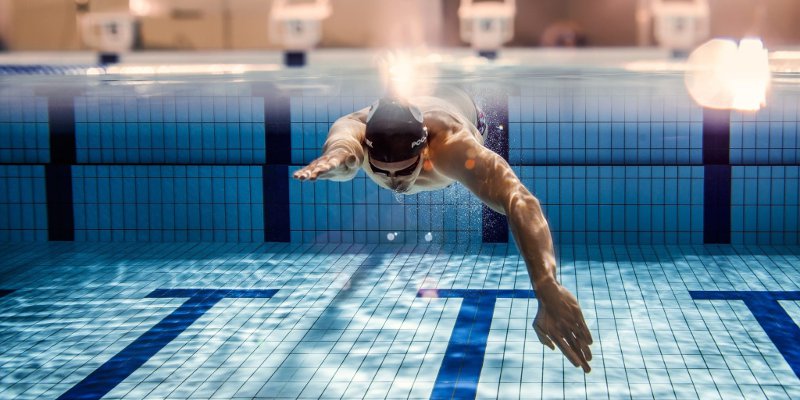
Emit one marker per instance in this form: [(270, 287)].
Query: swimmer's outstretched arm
[(342, 153), (559, 319)]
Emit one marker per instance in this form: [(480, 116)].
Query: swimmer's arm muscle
[(559, 319), (489, 177), (347, 133), (342, 153)]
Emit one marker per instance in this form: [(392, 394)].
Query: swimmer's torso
[(457, 114)]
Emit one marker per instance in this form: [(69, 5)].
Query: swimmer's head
[(395, 131)]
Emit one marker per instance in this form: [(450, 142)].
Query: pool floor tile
[(342, 321)]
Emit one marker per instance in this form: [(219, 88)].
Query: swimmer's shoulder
[(359, 115)]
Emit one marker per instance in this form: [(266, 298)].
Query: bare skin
[(455, 152)]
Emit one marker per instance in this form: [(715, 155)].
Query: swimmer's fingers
[(307, 173), (543, 337), (304, 173), (321, 168), (328, 168)]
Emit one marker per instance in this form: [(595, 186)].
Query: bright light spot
[(94, 71), (428, 237), (139, 7), (723, 75), (406, 75), (391, 236)]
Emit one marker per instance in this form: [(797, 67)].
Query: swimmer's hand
[(560, 321), (334, 163)]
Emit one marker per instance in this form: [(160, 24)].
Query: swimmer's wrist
[(545, 285)]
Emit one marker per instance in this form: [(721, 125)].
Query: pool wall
[(611, 164)]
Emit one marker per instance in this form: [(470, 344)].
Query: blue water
[(615, 158), (349, 321), (153, 245)]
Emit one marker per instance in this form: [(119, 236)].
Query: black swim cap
[(395, 131)]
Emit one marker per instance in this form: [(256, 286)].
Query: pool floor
[(279, 320)]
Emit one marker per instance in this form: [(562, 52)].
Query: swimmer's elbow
[(521, 200)]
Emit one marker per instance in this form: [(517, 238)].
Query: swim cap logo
[(419, 142), (369, 143)]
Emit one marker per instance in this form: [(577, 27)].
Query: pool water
[(348, 321), (154, 245)]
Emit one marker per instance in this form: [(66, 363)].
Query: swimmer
[(428, 143)]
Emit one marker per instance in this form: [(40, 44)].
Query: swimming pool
[(155, 247)]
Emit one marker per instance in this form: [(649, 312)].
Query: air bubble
[(428, 237)]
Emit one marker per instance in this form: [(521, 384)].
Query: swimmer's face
[(398, 176)]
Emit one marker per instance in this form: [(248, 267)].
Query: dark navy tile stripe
[(5, 292), (294, 58), (61, 119), (716, 137), (463, 360), (494, 224), (276, 203), (58, 174), (717, 204), (773, 318), (122, 365), (277, 124), (277, 129), (60, 210), (717, 178)]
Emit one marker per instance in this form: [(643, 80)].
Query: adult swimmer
[(427, 143)]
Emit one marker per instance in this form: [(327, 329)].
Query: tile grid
[(650, 338), (765, 204), (625, 112), (139, 130), (324, 109), (768, 136), (171, 203), (23, 127), (605, 127), (192, 129), (764, 153), (619, 204), (23, 204)]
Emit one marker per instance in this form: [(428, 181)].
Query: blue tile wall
[(619, 204), (603, 126), (360, 211), (768, 136), (190, 129), (23, 203), (168, 203), (312, 117), (611, 164), (24, 129), (764, 205)]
